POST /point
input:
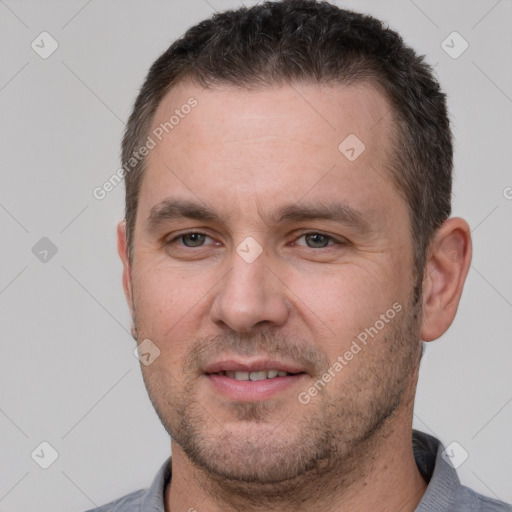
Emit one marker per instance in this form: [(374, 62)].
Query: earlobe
[(446, 269)]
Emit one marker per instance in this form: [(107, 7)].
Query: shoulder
[(445, 493), (468, 500), (143, 499), (129, 503)]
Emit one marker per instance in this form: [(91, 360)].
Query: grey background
[(67, 372)]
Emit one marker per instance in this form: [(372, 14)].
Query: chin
[(254, 445)]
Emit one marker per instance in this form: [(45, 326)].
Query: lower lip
[(253, 390)]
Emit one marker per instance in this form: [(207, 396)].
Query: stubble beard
[(330, 441)]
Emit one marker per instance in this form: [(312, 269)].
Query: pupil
[(195, 239), (317, 240)]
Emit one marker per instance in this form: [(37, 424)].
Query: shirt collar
[(443, 482), (154, 499)]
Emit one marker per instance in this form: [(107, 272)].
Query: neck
[(382, 475)]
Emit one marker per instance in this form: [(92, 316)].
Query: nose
[(251, 295)]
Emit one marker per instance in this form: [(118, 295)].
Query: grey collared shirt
[(444, 492)]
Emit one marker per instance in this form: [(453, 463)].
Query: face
[(273, 270)]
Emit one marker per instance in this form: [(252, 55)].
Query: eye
[(192, 239), (316, 240)]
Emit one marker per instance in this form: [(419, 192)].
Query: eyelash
[(329, 238)]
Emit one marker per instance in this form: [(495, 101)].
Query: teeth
[(260, 375), (238, 375)]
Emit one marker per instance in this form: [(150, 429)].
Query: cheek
[(164, 390), (171, 309), (161, 300), (343, 303)]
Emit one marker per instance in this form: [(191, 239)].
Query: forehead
[(228, 112), (272, 143)]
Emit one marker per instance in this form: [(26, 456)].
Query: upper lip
[(251, 366)]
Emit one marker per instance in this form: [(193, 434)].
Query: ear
[(446, 268), (122, 249)]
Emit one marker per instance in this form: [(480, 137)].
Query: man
[(287, 249)]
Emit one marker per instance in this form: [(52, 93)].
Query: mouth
[(252, 381), (254, 376)]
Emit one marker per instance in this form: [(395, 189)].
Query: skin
[(303, 299)]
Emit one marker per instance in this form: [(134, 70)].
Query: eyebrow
[(175, 209)]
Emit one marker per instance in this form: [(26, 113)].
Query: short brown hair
[(314, 42)]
